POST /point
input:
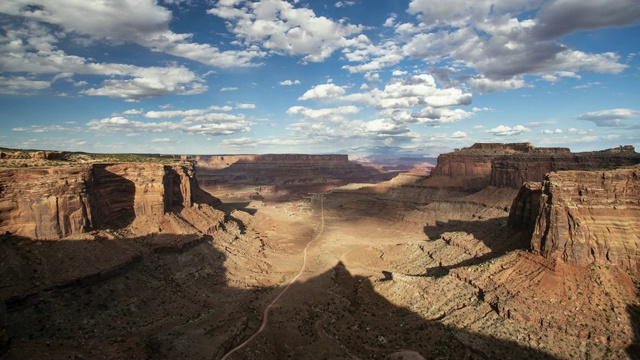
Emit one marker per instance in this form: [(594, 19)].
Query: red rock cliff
[(516, 169), (280, 169), (581, 217), (54, 203), (476, 160)]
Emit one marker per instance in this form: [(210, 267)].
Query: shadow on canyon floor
[(493, 233), (169, 296)]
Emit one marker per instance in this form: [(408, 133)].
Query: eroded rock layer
[(281, 169), (54, 203), (511, 165), (514, 170), (582, 217), (475, 163)]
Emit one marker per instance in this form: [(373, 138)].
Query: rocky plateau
[(505, 251)]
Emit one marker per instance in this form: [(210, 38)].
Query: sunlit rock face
[(58, 202), (516, 169), (582, 217)]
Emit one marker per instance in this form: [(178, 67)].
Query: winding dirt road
[(265, 314)]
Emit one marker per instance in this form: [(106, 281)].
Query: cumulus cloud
[(561, 17), (32, 48), (419, 90), (503, 130), (611, 117), (245, 106), (143, 22), (278, 26), (323, 91), (240, 143), (490, 38), (211, 124), (289, 82), (42, 129), (161, 140), (486, 85), (329, 114), (21, 85)]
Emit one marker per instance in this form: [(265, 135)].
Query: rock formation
[(281, 169), (472, 167), (582, 217), (57, 202), (511, 165), (514, 170)]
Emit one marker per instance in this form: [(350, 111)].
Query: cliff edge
[(583, 217), (58, 202)]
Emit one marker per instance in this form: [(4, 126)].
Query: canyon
[(503, 251)]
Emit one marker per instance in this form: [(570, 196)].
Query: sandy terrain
[(447, 280)]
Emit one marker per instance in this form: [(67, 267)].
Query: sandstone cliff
[(582, 217), (517, 168), (475, 163), (281, 169), (281, 177), (58, 202)]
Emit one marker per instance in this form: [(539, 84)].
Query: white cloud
[(278, 26), (143, 22), (229, 88), (41, 129), (329, 114), (484, 84), (245, 106), (459, 135), (240, 143), (386, 127), (32, 48), (161, 140), (21, 85), (551, 132), (587, 85), (611, 117), (133, 112), (489, 38), (503, 130), (390, 20), (168, 114), (289, 82), (373, 77), (341, 4), (436, 116), (212, 124), (419, 90), (323, 91)]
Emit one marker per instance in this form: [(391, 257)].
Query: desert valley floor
[(361, 271)]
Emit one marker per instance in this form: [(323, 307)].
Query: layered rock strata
[(511, 165), (514, 170), (58, 202), (582, 217), (281, 177), (472, 167)]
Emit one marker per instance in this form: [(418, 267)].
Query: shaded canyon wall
[(57, 202)]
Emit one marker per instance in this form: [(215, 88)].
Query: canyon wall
[(473, 165), (516, 169), (282, 169), (582, 217), (58, 202)]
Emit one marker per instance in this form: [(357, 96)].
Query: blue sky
[(275, 76)]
